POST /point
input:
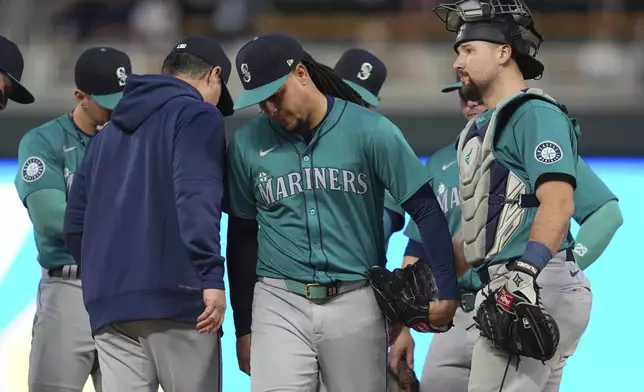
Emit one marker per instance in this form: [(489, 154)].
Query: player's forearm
[(241, 253), (551, 222), (47, 211), (596, 233), (424, 208)]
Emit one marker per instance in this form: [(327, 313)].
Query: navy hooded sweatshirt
[(143, 214)]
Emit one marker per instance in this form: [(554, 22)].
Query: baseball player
[(63, 354), (517, 174), (143, 221), (306, 182), (11, 67), (448, 363), (366, 74)]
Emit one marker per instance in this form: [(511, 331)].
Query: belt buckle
[(307, 294)]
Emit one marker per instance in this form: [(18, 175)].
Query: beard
[(473, 91)]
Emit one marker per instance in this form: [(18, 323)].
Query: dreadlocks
[(329, 83)]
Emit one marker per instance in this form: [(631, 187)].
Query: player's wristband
[(536, 256)]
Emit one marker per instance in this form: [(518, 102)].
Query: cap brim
[(108, 102), (19, 93), (453, 87), (253, 97), (225, 104), (364, 93), (530, 67)]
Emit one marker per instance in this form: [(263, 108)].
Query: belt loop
[(66, 272), (73, 272)]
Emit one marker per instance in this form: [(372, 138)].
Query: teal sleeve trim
[(47, 211), (596, 233)]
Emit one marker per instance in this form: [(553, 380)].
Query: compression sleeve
[(425, 210), (596, 233), (47, 211), (393, 222), (415, 249), (241, 253)]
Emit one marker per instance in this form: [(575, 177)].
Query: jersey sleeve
[(392, 206), (240, 200), (591, 192), (394, 162), (41, 166), (546, 141)]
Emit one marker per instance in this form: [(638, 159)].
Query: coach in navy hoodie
[(143, 219)]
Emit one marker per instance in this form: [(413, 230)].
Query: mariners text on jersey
[(274, 189)]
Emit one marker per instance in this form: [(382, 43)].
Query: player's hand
[(213, 316), (442, 312), (460, 264), (402, 350), (243, 353)]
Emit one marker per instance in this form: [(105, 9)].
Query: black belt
[(484, 275), (66, 272)]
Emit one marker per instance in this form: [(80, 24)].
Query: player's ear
[(214, 75), (79, 95), (301, 73), (503, 54)]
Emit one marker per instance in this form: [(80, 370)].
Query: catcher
[(517, 164)]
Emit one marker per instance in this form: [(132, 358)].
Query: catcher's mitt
[(403, 295), (403, 380), (515, 324)]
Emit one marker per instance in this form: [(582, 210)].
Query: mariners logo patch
[(33, 169), (548, 152)]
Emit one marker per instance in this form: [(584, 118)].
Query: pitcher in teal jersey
[(517, 175), (366, 74), (63, 355), (449, 360), (306, 183)]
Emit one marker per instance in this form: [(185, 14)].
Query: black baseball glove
[(404, 295), (513, 318)]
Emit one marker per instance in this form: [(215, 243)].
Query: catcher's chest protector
[(489, 191)]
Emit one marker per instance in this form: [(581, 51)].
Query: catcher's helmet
[(499, 21)]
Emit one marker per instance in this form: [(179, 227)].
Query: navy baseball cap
[(214, 54), (101, 72), (12, 65), (263, 65), (364, 72)]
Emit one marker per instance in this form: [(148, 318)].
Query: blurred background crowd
[(593, 51)]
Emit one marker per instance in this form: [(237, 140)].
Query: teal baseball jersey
[(443, 170), (319, 205), (537, 139), (591, 192), (48, 157), (391, 204)]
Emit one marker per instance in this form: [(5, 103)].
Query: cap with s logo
[(453, 87), (263, 65), (364, 72), (214, 54), (12, 64), (101, 73)]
